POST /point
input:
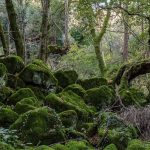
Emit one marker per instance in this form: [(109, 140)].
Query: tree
[(4, 43), (15, 29), (44, 30)]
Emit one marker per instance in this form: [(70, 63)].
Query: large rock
[(76, 88), (66, 78), (69, 118), (99, 97), (38, 74), (7, 117), (26, 104), (19, 95), (5, 92), (92, 83), (41, 125), (114, 131), (14, 64), (69, 101)]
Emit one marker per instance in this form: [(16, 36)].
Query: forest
[(74, 74)]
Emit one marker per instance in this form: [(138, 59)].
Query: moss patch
[(76, 88), (69, 118), (69, 101), (92, 83), (19, 95), (66, 78), (40, 124), (100, 97), (38, 75), (14, 64), (7, 117), (111, 147)]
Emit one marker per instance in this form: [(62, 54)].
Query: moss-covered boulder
[(114, 131), (26, 104), (7, 117), (19, 95), (66, 78), (100, 97), (89, 128), (92, 83), (14, 82), (38, 74), (111, 147), (43, 147), (138, 145), (69, 101), (76, 88), (74, 145), (41, 125), (5, 146), (3, 75), (14, 64), (69, 118), (5, 92), (133, 96)]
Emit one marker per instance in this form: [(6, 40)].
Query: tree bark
[(3, 40), (126, 34), (44, 30), (128, 72), (97, 40), (66, 42), (14, 28)]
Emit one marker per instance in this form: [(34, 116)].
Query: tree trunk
[(44, 30), (3, 40), (14, 28), (66, 42), (97, 40), (128, 72), (126, 36)]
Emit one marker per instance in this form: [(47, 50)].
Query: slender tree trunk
[(66, 42), (97, 40), (126, 36), (14, 28), (44, 30), (3, 40)]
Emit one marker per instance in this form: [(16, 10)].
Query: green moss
[(19, 95), (5, 92), (38, 75), (92, 83), (69, 101), (100, 97), (14, 64), (76, 88), (69, 118), (66, 78), (74, 134), (74, 145), (111, 147), (4, 146), (3, 70), (25, 105), (3, 75), (133, 96), (39, 125), (43, 147), (117, 132), (7, 117), (88, 128), (15, 82)]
